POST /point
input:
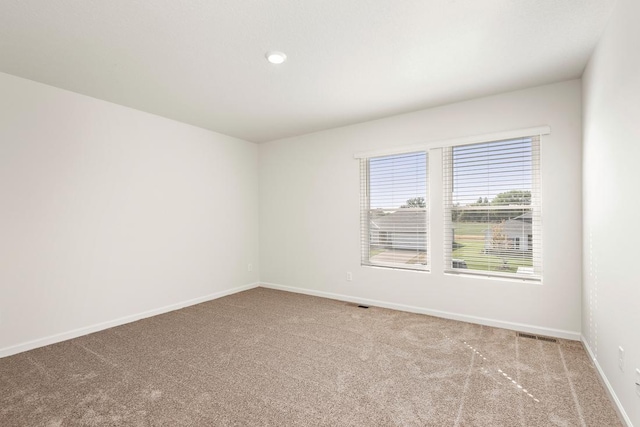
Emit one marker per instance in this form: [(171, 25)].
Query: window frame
[(535, 207), (439, 146), (366, 209)]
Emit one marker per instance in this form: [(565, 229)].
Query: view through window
[(394, 211), (492, 208)]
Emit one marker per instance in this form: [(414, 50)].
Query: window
[(492, 208), (394, 212)]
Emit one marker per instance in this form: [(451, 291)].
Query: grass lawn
[(471, 228)]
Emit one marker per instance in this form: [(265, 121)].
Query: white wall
[(109, 212), (309, 213), (611, 295)]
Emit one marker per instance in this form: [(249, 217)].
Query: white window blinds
[(492, 208), (394, 211)]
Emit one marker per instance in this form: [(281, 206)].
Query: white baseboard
[(52, 339), (609, 388), (537, 330)]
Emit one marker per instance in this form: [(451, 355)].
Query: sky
[(480, 170), (395, 179), (488, 169)]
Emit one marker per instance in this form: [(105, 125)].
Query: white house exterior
[(402, 229), (519, 232)]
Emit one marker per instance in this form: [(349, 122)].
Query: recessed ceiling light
[(276, 57)]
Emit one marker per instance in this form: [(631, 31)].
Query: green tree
[(474, 215), (507, 198), (415, 202), (510, 198)]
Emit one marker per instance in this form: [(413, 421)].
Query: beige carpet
[(265, 357)]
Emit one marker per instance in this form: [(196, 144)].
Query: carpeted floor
[(265, 357)]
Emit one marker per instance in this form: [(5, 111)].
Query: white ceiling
[(202, 61)]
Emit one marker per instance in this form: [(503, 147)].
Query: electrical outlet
[(349, 276), (621, 358), (638, 382), (249, 267)]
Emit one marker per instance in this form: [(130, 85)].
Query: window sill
[(395, 267), (533, 281)]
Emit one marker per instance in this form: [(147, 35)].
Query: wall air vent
[(536, 337)]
